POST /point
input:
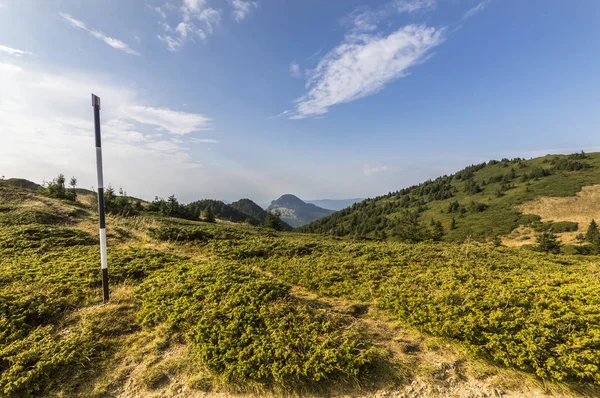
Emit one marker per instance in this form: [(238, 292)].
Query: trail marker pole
[(101, 219)]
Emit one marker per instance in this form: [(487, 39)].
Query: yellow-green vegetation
[(245, 328), (229, 307), (525, 310)]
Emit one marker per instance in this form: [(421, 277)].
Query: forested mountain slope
[(479, 202), (255, 212)]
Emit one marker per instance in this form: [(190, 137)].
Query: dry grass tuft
[(581, 208)]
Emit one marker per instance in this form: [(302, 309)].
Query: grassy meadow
[(220, 308)]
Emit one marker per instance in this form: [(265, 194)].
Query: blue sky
[(324, 99)]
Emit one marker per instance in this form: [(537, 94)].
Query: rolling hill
[(480, 202), (295, 212)]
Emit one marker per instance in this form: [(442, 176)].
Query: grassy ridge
[(498, 185)]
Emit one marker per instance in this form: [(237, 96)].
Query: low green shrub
[(519, 308), (179, 234), (247, 329)]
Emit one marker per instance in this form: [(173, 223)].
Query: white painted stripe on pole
[(103, 262), (99, 167)]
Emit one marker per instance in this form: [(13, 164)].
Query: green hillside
[(250, 208), (201, 308), (254, 211), (482, 200)]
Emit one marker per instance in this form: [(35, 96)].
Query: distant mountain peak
[(288, 200), (295, 212)]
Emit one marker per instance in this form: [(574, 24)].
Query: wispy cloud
[(364, 64), (111, 41), (172, 44), (196, 22), (203, 140), (479, 7), (169, 120), (411, 6), (284, 113), (242, 8), (295, 70), (13, 51), (367, 19), (159, 11)]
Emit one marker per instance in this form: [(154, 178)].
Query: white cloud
[(366, 19), (241, 8), (166, 27), (192, 13), (41, 141), (159, 11), (111, 41), (479, 7), (295, 70), (183, 29), (362, 65), (172, 44), (198, 18), (172, 121), (210, 17), (13, 51), (193, 5), (204, 140), (410, 6), (284, 113)]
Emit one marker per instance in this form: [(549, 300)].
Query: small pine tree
[(171, 207), (548, 242), (453, 224), (592, 235), (72, 194), (437, 231), (209, 215), (497, 242), (56, 187), (273, 221), (580, 239)]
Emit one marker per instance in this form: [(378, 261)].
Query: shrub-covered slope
[(198, 307), (479, 202), (245, 329)]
